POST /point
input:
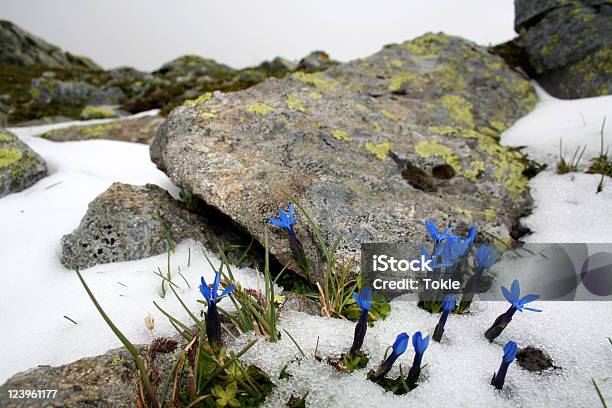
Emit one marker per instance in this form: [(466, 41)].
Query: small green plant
[(601, 164), (570, 166), (255, 309)]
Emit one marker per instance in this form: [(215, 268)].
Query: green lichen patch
[(86, 132), (380, 150), (9, 156), (341, 135), (431, 148), (5, 137), (316, 79), (427, 46), (200, 99), (294, 102), (412, 78), (459, 108), (259, 108), (314, 95), (97, 112), (477, 167)]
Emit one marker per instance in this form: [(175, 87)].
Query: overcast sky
[(147, 33)]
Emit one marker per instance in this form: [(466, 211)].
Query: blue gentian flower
[(456, 248), (364, 301), (513, 296), (516, 303), (285, 221), (213, 325), (213, 295), (398, 348), (485, 257), (510, 350), (448, 304), (435, 234), (420, 345)]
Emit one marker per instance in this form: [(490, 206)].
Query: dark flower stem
[(384, 368), (439, 331), (500, 324), (213, 325), (415, 370), (360, 332), (498, 378), (298, 250)]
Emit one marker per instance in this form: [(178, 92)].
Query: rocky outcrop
[(20, 166), (18, 47), (137, 130), (370, 148), (133, 222), (569, 45)]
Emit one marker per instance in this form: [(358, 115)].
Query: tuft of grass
[(601, 164), (570, 166)]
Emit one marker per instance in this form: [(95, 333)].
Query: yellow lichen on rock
[(380, 150), (459, 108), (294, 102), (431, 148), (200, 99), (341, 135), (259, 108), (9, 156), (316, 79)]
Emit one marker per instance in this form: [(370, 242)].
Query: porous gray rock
[(129, 222), (316, 61), (569, 45), (338, 142), (20, 166)]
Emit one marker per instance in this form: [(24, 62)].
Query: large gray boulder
[(370, 148), (18, 47), (129, 222), (20, 166), (569, 45)]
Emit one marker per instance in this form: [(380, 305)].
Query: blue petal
[(227, 291), (449, 303), (357, 299), (515, 290), (276, 222), (204, 290), (215, 287), (419, 343), (528, 299), (510, 350), (507, 294), (532, 309), (400, 344), (283, 217), (432, 229)]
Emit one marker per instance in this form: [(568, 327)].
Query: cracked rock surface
[(345, 144)]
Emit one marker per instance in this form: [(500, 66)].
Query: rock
[(533, 359), (195, 66), (340, 152), (20, 166), (137, 130), (109, 380), (98, 112), (300, 303), (132, 222), (569, 45), (316, 61), (18, 47)]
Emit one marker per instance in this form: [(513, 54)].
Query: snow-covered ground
[(566, 206), (38, 291)]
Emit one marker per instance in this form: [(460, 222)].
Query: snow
[(566, 207), (38, 291)]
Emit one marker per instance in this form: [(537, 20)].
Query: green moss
[(35, 92), (9, 156), (388, 115), (316, 79), (381, 150), (97, 112), (431, 148), (294, 102), (200, 99), (86, 132), (341, 135), (459, 108), (259, 108)]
